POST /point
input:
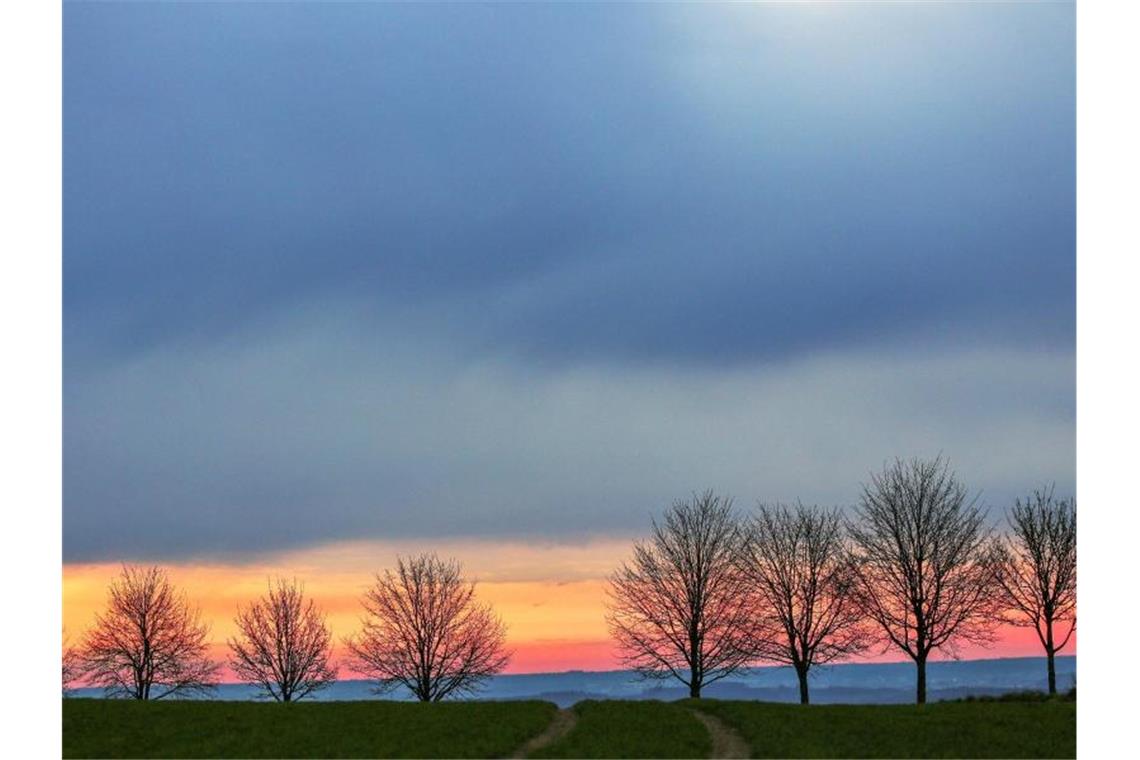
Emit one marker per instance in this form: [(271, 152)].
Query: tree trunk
[(921, 686), (1050, 654), (1052, 672), (696, 662), (802, 674)]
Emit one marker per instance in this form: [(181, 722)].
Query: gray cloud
[(385, 270), (673, 185), (324, 431)]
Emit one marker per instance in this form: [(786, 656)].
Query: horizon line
[(750, 667)]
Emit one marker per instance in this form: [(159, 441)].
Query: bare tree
[(679, 608), (72, 669), (284, 644), (149, 643), (424, 630), (1038, 570), (924, 561), (803, 584)]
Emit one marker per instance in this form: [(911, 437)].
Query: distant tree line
[(914, 568)]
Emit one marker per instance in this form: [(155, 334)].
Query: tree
[(72, 669), (424, 630), (803, 584), (1038, 570), (679, 608), (149, 643), (924, 561), (284, 644)]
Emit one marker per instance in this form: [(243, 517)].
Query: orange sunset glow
[(551, 595)]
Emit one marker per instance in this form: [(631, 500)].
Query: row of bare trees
[(916, 568), (422, 628)]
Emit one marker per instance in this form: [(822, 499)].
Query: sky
[(346, 281)]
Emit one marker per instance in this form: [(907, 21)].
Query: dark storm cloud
[(607, 183), (342, 270)]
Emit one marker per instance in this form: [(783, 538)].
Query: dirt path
[(726, 743), (564, 720)]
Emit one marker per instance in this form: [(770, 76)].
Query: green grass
[(631, 729), (1029, 695), (981, 729), (948, 729), (121, 728)]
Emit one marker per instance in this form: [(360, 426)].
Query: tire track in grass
[(561, 725), (726, 743)]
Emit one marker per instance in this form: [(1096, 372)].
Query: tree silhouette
[(72, 669), (923, 561), (283, 644), (148, 643), (679, 608), (1038, 570), (803, 583), (424, 630)]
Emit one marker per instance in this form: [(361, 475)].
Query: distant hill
[(861, 683)]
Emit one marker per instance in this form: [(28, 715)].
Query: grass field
[(112, 728), (121, 728), (948, 729), (631, 729)]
